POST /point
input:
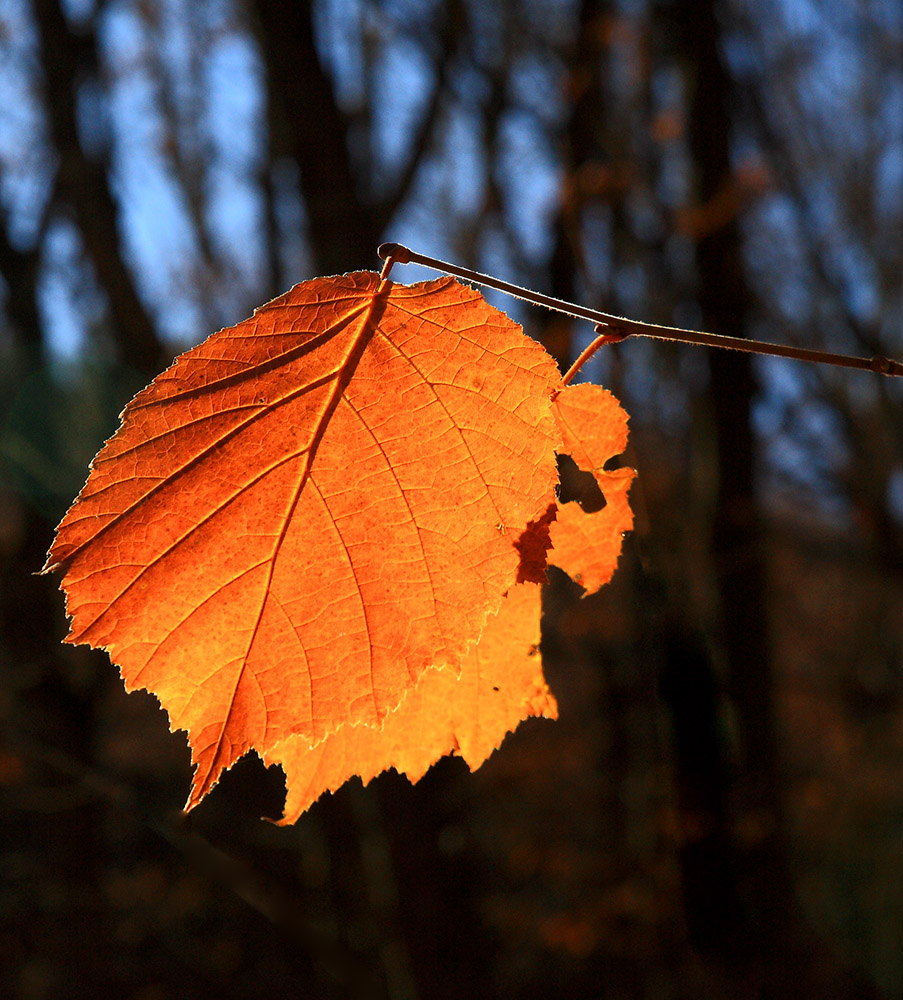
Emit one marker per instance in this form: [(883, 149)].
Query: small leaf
[(593, 428)]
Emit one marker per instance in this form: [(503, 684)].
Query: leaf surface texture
[(501, 683)]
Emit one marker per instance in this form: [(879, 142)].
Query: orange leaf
[(501, 683), (307, 511), (592, 424), (593, 429)]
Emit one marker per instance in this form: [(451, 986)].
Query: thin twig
[(589, 351), (618, 328)]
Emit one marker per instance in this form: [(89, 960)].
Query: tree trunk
[(758, 868), (82, 181), (755, 930), (410, 889)]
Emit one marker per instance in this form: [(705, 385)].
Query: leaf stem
[(389, 259), (613, 329), (589, 351)]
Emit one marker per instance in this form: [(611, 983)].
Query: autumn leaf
[(593, 429), (311, 509), (500, 684), (592, 424)]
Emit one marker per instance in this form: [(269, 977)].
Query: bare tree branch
[(452, 30), (307, 122), (83, 182)]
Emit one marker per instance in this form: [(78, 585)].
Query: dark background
[(719, 811)]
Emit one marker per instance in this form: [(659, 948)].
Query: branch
[(85, 183), (19, 269), (307, 120), (419, 143), (618, 328)]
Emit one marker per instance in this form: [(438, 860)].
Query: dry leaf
[(593, 429), (310, 509), (501, 683), (310, 536)]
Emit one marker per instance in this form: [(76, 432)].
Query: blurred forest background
[(719, 811)]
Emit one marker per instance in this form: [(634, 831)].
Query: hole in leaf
[(533, 545), (575, 484)]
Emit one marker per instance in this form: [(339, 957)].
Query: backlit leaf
[(593, 429), (312, 508), (501, 683)]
